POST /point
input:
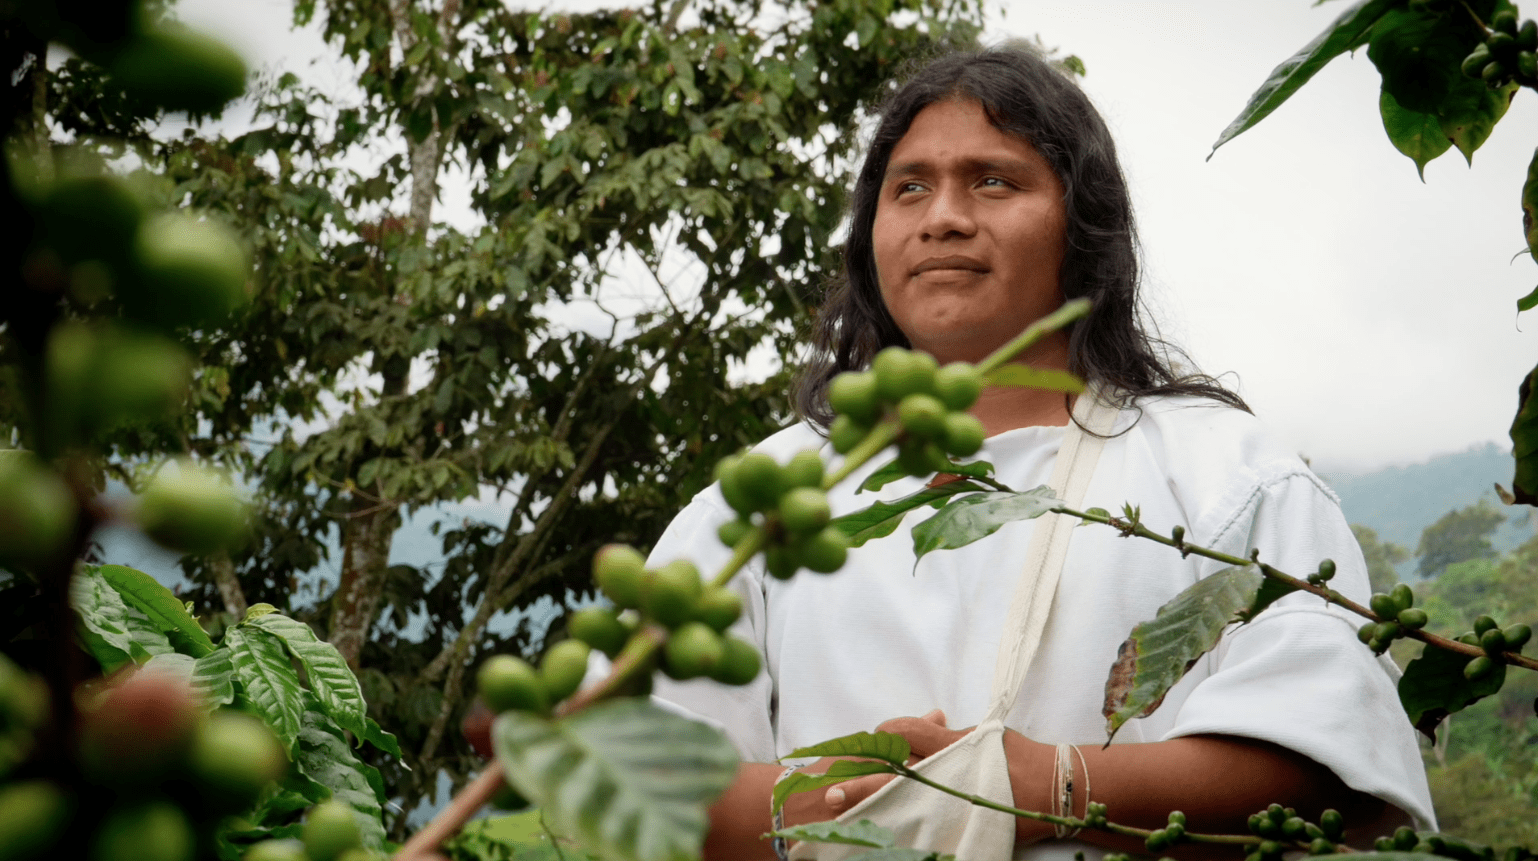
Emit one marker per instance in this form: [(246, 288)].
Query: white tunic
[(881, 639)]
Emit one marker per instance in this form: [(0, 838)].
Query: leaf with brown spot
[(1159, 652)]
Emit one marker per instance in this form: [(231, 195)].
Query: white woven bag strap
[(1032, 603)]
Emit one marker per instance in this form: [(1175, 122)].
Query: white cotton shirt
[(882, 639)]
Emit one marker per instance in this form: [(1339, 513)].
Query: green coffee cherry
[(1177, 817), (1402, 597), (804, 510), (1517, 637), (563, 667), (845, 433), (826, 551), (803, 470), (1527, 65), (900, 373), (1321, 846), (1474, 64), (91, 218), (189, 273), (718, 607), (600, 628), (1493, 642), (693, 650), (1384, 606), (157, 831), (739, 662), (509, 683), (854, 394), (329, 830), (1483, 624), (1494, 73), (668, 595), (733, 531), (958, 384), (33, 814), (179, 69), (758, 480), (1527, 36), (1325, 574), (1332, 823), (234, 757), (1504, 22), (922, 416), (781, 562), (1368, 632), (37, 510), (920, 458), (192, 509), (1478, 668), (964, 434), (617, 571), (1292, 829), (285, 849), (1413, 619)]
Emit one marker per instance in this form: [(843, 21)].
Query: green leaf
[(1160, 651), (374, 735), (325, 757), (104, 625), (331, 680), (1433, 686), (963, 521), (881, 519), (893, 471), (271, 686), (1035, 378), (1418, 53), (897, 853), (213, 678), (885, 746), (862, 833), (173, 664), (838, 772), (1528, 302), (884, 476), (1524, 442), (625, 778), (1470, 111), (1419, 136), (1342, 35), (145, 637), (1530, 208), (155, 601)]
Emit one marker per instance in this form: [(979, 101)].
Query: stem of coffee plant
[(1132, 528)]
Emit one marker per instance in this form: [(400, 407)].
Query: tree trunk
[(228, 585)]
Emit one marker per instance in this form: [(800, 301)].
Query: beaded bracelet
[(777, 819)]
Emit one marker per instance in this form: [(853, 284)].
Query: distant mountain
[(1400, 501)]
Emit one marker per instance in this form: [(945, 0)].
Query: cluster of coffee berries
[(1173, 832), (508, 682), (928, 401), (1509, 53), (1406, 839), (158, 776), (1395, 609), (1095, 815), (1325, 574), (1280, 828), (789, 505), (330, 834), (1495, 640)]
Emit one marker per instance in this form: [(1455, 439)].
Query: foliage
[(1382, 557), (657, 195), (1458, 536)]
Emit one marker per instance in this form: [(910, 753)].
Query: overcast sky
[(1368, 318)]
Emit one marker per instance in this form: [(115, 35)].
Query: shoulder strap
[(1047, 549)]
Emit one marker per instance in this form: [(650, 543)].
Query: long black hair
[(1025, 95)]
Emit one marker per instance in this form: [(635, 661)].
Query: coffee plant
[(176, 746)]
